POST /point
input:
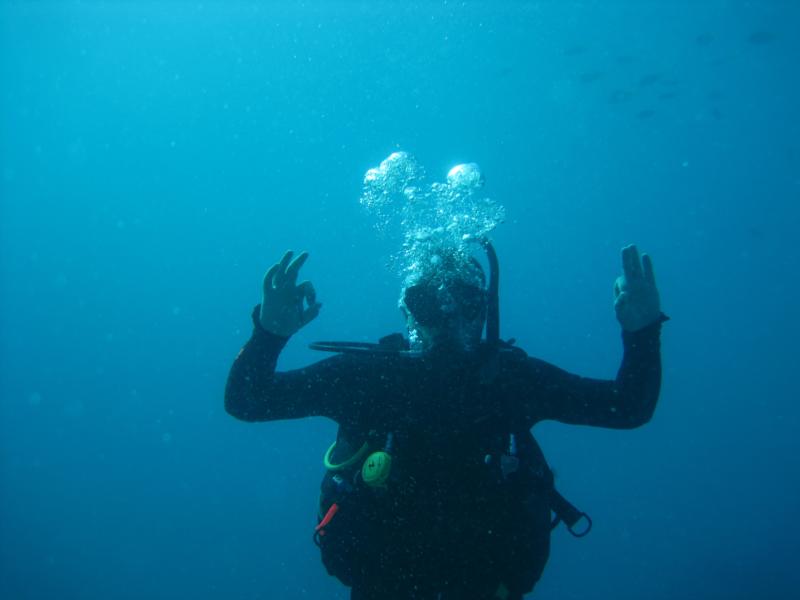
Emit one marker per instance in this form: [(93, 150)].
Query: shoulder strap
[(564, 510)]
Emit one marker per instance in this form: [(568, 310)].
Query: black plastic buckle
[(585, 531)]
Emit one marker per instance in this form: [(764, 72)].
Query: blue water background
[(157, 157)]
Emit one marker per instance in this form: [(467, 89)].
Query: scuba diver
[(435, 487)]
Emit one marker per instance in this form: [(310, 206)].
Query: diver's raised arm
[(254, 391), (629, 400)]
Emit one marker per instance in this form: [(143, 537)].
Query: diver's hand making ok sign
[(636, 300), (286, 306)]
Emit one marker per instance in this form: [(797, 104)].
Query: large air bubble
[(466, 177)]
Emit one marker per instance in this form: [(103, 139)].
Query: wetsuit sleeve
[(623, 403), (256, 392)]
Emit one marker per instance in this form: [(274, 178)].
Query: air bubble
[(429, 217)]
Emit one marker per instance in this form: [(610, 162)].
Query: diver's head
[(444, 303)]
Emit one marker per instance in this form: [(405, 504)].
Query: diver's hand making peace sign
[(636, 300), (287, 306)]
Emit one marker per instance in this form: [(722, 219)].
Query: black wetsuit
[(448, 524)]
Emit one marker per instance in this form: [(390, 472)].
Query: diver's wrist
[(259, 328)]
